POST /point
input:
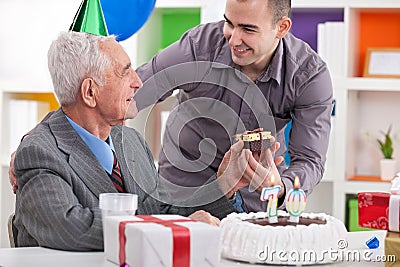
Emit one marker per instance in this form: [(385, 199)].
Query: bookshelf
[(366, 104), (370, 103), (361, 102)]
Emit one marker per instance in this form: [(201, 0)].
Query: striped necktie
[(116, 176)]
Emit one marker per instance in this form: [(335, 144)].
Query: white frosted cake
[(249, 237)]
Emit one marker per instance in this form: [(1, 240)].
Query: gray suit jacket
[(59, 182)]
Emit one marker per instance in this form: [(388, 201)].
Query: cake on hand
[(251, 238), (255, 140)]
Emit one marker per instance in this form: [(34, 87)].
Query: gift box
[(379, 211), (392, 249), (160, 240)]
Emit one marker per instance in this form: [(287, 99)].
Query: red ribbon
[(180, 235)]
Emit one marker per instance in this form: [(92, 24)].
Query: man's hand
[(205, 217), (260, 156), (264, 169), (232, 174), (11, 174), (269, 162)]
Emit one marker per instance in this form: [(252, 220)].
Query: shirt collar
[(101, 149), (224, 60), (275, 66)]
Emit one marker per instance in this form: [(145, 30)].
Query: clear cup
[(117, 204)]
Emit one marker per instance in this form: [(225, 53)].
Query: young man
[(82, 150), (291, 83)]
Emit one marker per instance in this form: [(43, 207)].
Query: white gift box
[(148, 243)]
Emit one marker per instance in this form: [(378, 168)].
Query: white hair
[(73, 57)]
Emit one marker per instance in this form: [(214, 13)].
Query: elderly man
[(82, 150)]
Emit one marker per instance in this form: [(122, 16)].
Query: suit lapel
[(81, 159), (125, 159), (137, 171)]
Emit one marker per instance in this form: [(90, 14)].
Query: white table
[(37, 256), (43, 257)]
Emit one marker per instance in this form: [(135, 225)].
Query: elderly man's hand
[(205, 217), (11, 174), (232, 174), (240, 168)]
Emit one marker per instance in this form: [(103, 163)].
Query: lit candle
[(271, 194), (295, 201)]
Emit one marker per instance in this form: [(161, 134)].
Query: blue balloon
[(125, 17)]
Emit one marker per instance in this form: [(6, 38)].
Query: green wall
[(176, 21)]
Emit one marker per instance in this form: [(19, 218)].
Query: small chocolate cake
[(256, 141)]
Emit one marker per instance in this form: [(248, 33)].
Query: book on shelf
[(331, 46)]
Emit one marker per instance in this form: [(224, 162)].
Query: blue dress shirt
[(101, 149), (237, 202)]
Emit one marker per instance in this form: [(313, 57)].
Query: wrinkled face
[(115, 98), (250, 32)]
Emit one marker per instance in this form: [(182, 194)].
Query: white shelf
[(373, 84), (364, 4), (24, 87), (374, 4), (327, 179), (353, 187), (179, 3), (319, 4), (16, 89)]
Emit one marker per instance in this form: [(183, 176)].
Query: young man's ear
[(89, 91), (284, 25)]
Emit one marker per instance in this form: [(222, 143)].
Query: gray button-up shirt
[(216, 101)]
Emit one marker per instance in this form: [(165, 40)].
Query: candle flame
[(296, 182), (272, 180)]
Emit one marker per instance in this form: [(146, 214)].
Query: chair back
[(12, 231)]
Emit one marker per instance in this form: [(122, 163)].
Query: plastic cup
[(117, 204)]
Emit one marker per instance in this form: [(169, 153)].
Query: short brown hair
[(279, 9)]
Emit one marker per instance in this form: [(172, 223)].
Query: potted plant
[(388, 164)]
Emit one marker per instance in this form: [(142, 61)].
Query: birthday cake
[(251, 238)]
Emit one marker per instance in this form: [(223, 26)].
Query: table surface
[(43, 257), (37, 256)]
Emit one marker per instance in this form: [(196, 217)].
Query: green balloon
[(90, 19)]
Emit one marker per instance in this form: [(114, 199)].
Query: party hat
[(90, 19)]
